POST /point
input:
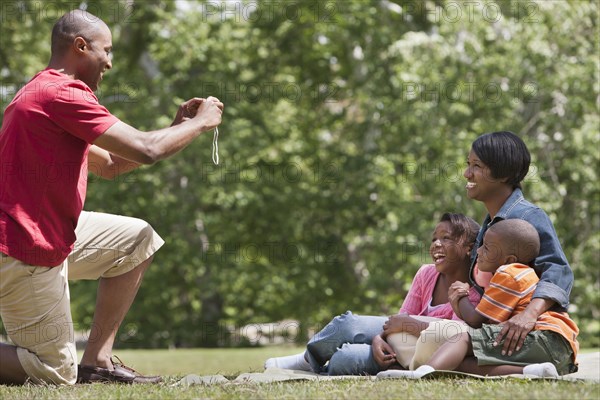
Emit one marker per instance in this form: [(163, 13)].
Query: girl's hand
[(457, 291), (382, 352), (394, 324)]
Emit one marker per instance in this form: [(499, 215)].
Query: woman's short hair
[(464, 228), (505, 154)]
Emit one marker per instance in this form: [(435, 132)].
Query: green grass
[(225, 362), (175, 364)]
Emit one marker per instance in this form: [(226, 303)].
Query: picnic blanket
[(589, 369), (268, 376)]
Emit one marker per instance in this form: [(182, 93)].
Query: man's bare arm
[(107, 165), (140, 147)]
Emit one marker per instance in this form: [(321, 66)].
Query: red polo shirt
[(44, 142)]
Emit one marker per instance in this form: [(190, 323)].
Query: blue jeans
[(345, 343)]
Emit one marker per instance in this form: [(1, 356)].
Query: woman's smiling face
[(481, 185)]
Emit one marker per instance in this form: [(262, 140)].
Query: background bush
[(344, 138)]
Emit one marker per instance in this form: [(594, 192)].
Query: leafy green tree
[(345, 132)]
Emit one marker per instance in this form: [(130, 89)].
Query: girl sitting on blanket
[(355, 345)]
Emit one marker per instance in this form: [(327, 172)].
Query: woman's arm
[(515, 330), (551, 265)]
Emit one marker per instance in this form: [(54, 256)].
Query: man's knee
[(56, 368), (146, 243), (143, 242), (146, 232)]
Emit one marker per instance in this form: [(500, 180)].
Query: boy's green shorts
[(539, 347)]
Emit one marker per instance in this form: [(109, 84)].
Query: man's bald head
[(77, 23), (81, 47)]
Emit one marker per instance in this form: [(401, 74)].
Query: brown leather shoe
[(120, 374)]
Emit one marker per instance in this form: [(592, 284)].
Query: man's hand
[(209, 108), (209, 111), (187, 110), (382, 352)]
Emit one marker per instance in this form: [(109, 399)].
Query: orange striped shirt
[(510, 291)]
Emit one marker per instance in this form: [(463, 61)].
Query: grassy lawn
[(175, 364)]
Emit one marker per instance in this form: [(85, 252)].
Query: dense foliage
[(346, 128)]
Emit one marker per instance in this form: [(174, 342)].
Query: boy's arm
[(458, 295), (469, 313)]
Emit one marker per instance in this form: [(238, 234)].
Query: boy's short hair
[(505, 154), (519, 238), (463, 227)]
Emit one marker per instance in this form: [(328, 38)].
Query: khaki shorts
[(35, 302), (412, 352)]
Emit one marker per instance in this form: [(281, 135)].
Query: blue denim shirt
[(551, 265)]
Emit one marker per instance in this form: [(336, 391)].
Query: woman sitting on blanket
[(355, 345), (496, 165)]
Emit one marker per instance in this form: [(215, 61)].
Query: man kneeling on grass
[(549, 350), (56, 128)]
